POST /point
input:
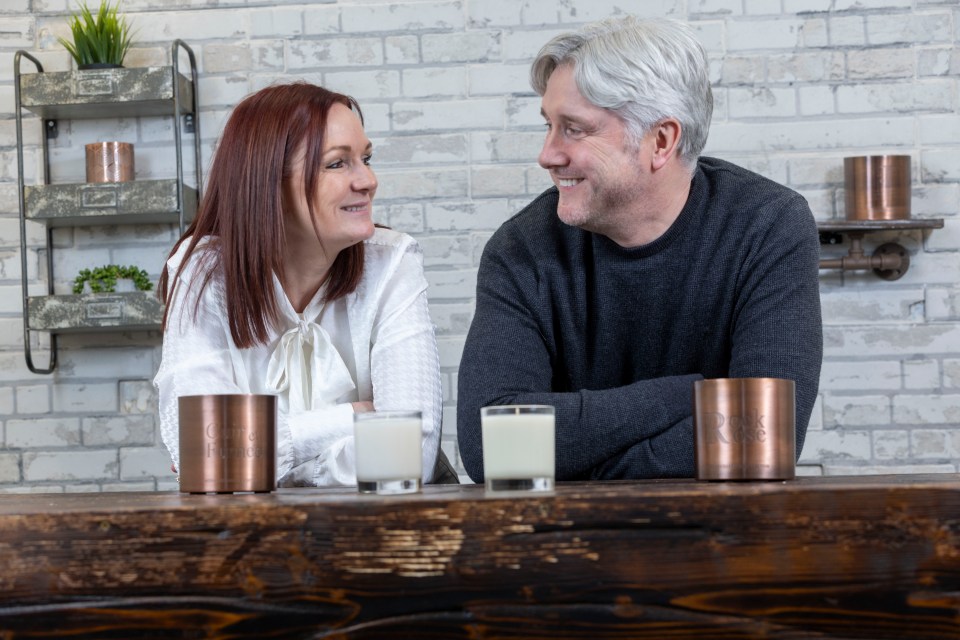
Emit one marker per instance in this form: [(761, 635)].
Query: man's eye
[(367, 159)]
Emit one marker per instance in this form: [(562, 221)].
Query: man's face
[(591, 157)]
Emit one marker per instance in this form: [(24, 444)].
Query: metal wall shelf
[(130, 311), (889, 261), (101, 94)]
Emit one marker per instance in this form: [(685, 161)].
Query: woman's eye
[(336, 164), (367, 159)]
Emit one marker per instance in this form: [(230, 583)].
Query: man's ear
[(666, 142)]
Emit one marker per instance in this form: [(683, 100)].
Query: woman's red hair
[(241, 213)]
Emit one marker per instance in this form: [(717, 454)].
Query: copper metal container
[(745, 429), (877, 187), (228, 443), (109, 162)]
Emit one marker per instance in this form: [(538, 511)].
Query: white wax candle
[(388, 449), (517, 447)]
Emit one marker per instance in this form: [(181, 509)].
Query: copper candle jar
[(877, 187), (109, 162), (745, 429), (228, 443)]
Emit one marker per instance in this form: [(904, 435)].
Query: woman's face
[(343, 202)]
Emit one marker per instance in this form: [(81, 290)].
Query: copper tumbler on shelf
[(745, 429), (877, 187), (228, 443), (110, 162)]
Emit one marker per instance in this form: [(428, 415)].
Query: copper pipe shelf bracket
[(889, 261)]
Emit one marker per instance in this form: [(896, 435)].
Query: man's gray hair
[(643, 70)]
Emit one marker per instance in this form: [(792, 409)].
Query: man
[(645, 269)]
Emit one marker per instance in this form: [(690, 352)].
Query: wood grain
[(867, 557)]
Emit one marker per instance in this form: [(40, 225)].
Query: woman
[(282, 285)]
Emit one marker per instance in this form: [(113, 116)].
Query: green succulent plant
[(104, 279), (100, 39)]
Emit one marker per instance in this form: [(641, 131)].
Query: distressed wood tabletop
[(869, 557)]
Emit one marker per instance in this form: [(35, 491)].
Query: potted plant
[(99, 41), (104, 279)]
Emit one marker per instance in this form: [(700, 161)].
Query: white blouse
[(376, 343)]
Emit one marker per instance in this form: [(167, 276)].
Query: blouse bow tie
[(306, 362)]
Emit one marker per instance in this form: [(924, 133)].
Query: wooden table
[(854, 557)]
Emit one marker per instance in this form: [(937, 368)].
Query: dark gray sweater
[(614, 338)]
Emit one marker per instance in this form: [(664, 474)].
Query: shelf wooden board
[(134, 202), (104, 93), (880, 225), (129, 311)]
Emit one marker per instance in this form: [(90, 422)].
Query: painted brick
[(860, 5), (500, 79), (779, 33), (285, 22), (137, 463), (118, 430), (33, 398), (447, 250), (364, 85), (930, 444), (834, 444), (940, 165), (9, 467), (36, 433), (893, 131), (451, 318), (137, 396), (891, 445), (6, 401), (880, 341), (419, 16), (452, 114), (493, 13), (405, 217), (448, 183), (921, 374), (943, 303), (506, 147), (853, 376), (883, 29), (762, 103), (855, 411), (722, 7), (951, 374), (430, 82), (482, 214), (885, 97), (401, 49), (859, 305), (85, 397), (585, 10), (461, 283), (833, 469), (164, 26), (497, 181), (480, 46), (70, 466), (522, 45), (927, 409), (334, 52), (414, 149), (450, 349), (17, 32), (880, 63), (761, 7)]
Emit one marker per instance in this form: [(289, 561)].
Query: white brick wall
[(799, 84)]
